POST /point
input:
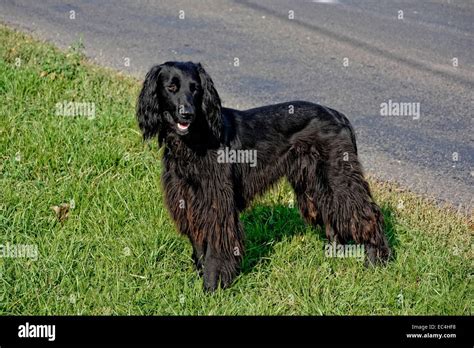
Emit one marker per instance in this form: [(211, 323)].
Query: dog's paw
[(377, 255), (210, 281), (218, 272)]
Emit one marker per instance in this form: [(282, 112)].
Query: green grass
[(118, 251)]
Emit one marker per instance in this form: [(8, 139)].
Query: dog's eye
[(172, 88)]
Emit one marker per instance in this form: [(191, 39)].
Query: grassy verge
[(117, 252)]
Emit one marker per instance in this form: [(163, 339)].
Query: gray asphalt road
[(350, 55)]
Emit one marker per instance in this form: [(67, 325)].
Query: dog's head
[(176, 97)]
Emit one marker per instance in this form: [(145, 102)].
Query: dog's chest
[(197, 182), (194, 170)]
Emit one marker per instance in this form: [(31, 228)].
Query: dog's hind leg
[(305, 198), (308, 199), (371, 234), (347, 206), (303, 181)]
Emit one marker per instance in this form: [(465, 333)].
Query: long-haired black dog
[(312, 145)]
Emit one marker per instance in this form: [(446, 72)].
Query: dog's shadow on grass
[(267, 225)]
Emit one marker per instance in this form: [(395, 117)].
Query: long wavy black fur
[(311, 145)]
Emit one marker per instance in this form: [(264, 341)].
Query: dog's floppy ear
[(211, 103), (148, 108)]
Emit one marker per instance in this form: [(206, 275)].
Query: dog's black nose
[(186, 112), (187, 115)]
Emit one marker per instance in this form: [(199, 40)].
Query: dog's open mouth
[(183, 126)]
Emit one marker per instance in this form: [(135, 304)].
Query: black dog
[(207, 185)]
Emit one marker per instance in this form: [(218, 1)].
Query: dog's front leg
[(224, 251), (198, 255)]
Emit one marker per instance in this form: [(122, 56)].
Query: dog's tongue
[(183, 126)]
